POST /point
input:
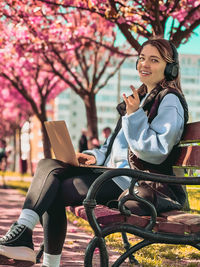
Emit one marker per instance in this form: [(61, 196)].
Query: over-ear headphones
[(171, 69)]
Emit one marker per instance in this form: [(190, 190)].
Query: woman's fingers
[(132, 87), (132, 101), (125, 98), (91, 160), (135, 93), (85, 158)]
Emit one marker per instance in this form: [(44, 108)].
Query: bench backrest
[(189, 148)]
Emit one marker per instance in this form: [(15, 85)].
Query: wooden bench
[(175, 227)]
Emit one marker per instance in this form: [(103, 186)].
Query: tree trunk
[(45, 141), (42, 117), (30, 151), (14, 150), (91, 113)]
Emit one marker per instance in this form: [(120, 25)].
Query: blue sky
[(191, 47)]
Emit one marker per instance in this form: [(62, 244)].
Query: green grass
[(157, 255), (194, 198), (14, 174), (20, 185)]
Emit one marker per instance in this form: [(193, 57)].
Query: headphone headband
[(174, 51), (172, 69)]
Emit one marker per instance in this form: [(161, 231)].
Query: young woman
[(152, 123)]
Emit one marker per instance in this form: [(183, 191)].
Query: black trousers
[(56, 185)]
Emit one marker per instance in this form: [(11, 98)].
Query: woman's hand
[(85, 159), (132, 102)]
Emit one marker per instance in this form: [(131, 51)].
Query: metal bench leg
[(127, 245), (41, 249), (93, 244)]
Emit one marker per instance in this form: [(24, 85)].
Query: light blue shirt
[(151, 142)]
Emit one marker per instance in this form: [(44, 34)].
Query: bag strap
[(116, 131)]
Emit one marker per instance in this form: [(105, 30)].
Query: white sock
[(51, 260), (29, 218)]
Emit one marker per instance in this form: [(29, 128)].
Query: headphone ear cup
[(136, 64), (171, 71)]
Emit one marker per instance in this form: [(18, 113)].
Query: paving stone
[(76, 241)]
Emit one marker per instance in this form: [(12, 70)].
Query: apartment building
[(190, 80), (70, 107)]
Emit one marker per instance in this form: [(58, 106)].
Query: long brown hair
[(167, 54)]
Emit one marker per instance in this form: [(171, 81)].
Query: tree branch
[(65, 65), (109, 76), (111, 48), (69, 83), (179, 35), (17, 84), (82, 63)]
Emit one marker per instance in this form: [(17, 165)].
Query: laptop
[(62, 145), (61, 142)]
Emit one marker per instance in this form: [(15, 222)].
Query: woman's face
[(151, 66)]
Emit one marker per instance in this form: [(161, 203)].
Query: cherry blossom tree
[(146, 18), (76, 46), (23, 71)]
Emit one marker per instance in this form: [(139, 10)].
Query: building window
[(183, 61), (64, 95), (40, 155), (61, 117), (62, 107), (40, 144), (189, 61), (49, 107)]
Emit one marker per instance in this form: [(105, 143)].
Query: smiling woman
[(141, 131)]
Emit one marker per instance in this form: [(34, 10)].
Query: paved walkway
[(73, 253), (76, 241)]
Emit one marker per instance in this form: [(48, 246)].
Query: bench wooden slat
[(188, 156), (175, 221), (192, 133)]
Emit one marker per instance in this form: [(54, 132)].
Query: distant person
[(106, 132), (82, 144), (3, 154)]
